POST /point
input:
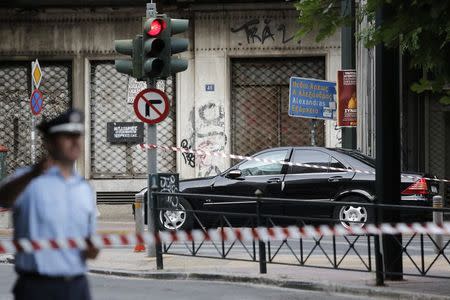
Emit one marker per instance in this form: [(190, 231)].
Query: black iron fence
[(420, 254)]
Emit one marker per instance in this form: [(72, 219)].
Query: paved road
[(111, 287)]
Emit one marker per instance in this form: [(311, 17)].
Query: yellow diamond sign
[(36, 73)]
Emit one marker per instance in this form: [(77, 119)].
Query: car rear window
[(310, 157), (359, 156)]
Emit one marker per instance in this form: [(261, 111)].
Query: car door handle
[(335, 179), (274, 180)]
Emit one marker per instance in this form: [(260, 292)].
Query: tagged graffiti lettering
[(169, 184), (251, 31), (189, 158)]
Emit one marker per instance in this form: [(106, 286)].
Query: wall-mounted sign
[(312, 98), (209, 87), (346, 81), (125, 132), (134, 87)]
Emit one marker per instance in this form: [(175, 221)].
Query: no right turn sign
[(151, 106)]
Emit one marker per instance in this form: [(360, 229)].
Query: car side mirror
[(233, 174)]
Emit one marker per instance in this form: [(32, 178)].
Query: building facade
[(233, 97)]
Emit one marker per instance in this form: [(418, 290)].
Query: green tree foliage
[(421, 29)]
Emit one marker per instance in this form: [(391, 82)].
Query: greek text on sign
[(312, 98), (151, 106), (347, 102), (125, 132)]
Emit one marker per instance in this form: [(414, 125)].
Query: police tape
[(241, 157), (227, 234)]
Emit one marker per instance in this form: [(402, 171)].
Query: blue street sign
[(312, 98), (36, 102)]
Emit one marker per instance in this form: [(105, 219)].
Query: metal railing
[(421, 254)]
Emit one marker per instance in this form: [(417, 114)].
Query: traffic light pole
[(152, 167)]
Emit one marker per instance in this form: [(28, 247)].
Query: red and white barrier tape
[(217, 235), (241, 157)]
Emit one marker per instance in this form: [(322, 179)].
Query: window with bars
[(15, 91), (108, 103), (260, 100)]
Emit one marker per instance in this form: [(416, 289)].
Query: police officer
[(51, 201)]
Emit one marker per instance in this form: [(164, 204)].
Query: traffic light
[(133, 47), (156, 52), (158, 46), (178, 45)]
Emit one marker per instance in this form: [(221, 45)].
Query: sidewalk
[(125, 262)]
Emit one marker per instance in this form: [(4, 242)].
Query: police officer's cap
[(70, 122)]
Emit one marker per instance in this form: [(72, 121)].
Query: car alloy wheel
[(353, 216), (173, 219)]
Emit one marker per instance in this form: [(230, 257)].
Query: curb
[(291, 284)]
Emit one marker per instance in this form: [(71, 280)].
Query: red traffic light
[(156, 27)]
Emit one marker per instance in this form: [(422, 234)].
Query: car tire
[(180, 219), (347, 215)]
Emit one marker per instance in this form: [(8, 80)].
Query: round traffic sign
[(36, 102), (151, 106)]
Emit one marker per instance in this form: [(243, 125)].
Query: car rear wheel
[(353, 215), (179, 219)]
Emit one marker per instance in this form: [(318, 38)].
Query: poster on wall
[(347, 102)]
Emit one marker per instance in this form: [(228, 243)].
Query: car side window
[(311, 157), (253, 167), (336, 164)]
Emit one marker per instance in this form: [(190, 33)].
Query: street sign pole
[(152, 167), (33, 124), (313, 132)]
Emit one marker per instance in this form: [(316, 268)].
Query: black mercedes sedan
[(339, 179)]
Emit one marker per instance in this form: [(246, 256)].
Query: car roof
[(342, 154), (297, 148)]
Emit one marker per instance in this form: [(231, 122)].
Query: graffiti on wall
[(189, 141), (189, 158), (270, 31), (210, 136)]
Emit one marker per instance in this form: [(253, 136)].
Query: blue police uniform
[(52, 207)]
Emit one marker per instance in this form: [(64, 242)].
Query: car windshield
[(359, 156)]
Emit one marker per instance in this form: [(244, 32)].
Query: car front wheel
[(180, 218)]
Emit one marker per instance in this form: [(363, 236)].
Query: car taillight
[(419, 187)]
